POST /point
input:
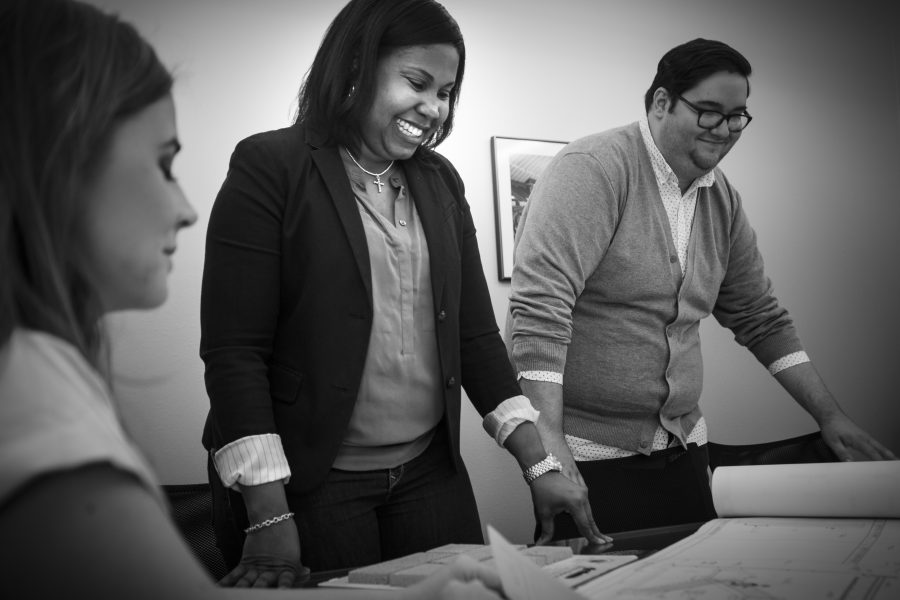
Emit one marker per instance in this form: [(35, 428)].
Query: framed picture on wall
[(517, 164)]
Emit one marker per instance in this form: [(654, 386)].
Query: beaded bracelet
[(268, 522)]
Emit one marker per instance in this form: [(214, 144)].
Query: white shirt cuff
[(548, 376), (790, 360), (252, 460), (511, 413)]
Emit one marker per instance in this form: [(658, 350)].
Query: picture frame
[(517, 163)]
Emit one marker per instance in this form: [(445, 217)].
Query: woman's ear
[(354, 77)]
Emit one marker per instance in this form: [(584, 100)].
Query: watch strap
[(550, 463)]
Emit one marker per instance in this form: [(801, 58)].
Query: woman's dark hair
[(68, 74), (684, 66), (339, 87)]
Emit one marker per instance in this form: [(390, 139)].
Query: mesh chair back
[(192, 512)]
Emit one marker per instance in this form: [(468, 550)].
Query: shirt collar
[(662, 170)]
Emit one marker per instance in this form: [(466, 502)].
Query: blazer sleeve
[(240, 291), (487, 375)]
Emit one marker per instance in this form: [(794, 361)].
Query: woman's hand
[(553, 493), (463, 579), (271, 558)]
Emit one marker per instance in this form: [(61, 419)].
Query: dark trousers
[(357, 518), (668, 487)]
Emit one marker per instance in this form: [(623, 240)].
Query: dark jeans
[(357, 518), (668, 487)]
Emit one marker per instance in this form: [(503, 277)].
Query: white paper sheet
[(766, 558), (795, 535), (521, 578)]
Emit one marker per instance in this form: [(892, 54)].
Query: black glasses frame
[(722, 116)]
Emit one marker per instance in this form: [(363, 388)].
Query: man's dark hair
[(684, 66)]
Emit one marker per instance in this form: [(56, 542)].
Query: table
[(640, 542)]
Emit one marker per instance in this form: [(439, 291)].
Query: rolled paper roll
[(868, 489)]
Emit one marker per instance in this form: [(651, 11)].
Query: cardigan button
[(673, 259), (451, 382), (442, 315)]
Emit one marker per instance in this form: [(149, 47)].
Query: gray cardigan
[(597, 293)]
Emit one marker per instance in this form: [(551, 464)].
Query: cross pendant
[(378, 183)]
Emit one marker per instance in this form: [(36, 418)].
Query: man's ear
[(661, 103)]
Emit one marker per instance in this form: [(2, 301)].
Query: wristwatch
[(551, 463)]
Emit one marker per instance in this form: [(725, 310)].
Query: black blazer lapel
[(330, 166)]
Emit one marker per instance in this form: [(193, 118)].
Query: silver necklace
[(377, 176)]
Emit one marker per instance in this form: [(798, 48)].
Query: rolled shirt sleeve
[(511, 413), (252, 460)]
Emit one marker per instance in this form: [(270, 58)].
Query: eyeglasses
[(710, 119)]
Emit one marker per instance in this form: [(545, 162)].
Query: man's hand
[(843, 436), (849, 442), (553, 493), (271, 558)]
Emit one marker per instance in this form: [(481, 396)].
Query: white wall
[(817, 169)]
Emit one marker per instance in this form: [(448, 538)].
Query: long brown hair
[(68, 74)]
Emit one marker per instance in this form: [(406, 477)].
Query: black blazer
[(286, 306)]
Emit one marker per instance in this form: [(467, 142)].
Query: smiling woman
[(411, 103), (343, 306)]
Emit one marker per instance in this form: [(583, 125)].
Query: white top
[(56, 414)]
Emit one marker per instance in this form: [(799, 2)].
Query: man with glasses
[(629, 239)]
